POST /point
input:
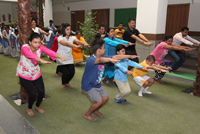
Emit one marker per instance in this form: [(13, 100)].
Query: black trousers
[(68, 72), (30, 88)]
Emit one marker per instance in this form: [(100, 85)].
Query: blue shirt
[(121, 68), (92, 74), (110, 45), (52, 27), (15, 40)]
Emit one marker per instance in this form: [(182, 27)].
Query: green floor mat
[(184, 75)]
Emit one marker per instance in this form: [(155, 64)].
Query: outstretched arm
[(65, 43), (162, 67), (154, 67), (177, 47), (120, 57), (140, 40), (43, 32), (83, 43), (105, 60)]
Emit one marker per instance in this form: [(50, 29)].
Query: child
[(121, 72), (1, 40), (65, 44), (29, 73), (48, 39), (91, 80), (140, 75), (14, 43), (6, 41), (110, 45), (55, 48)]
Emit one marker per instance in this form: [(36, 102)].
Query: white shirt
[(65, 51), (178, 39)]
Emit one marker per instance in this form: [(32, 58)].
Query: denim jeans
[(178, 57), (108, 79)]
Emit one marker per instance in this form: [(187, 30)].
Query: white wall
[(194, 19), (151, 19), (48, 12), (61, 13), (10, 8), (5, 9)]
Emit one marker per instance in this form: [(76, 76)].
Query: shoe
[(117, 101), (146, 92), (124, 100), (140, 94)]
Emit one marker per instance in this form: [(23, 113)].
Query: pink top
[(159, 52), (28, 68)]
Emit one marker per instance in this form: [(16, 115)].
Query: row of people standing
[(9, 41)]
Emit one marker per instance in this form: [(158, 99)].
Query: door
[(77, 16), (102, 17), (177, 17)]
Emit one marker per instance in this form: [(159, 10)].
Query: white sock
[(140, 92), (145, 91)]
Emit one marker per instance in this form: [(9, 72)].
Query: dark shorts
[(96, 94)]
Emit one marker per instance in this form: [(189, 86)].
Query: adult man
[(119, 31), (51, 26), (131, 34), (101, 34), (178, 39)]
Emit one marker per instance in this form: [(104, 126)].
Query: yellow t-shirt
[(140, 72), (119, 35)]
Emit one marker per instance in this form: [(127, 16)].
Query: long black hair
[(64, 26)]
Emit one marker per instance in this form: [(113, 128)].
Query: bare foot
[(98, 113), (69, 85), (160, 81), (39, 110), (103, 84), (156, 82), (89, 117), (63, 86), (173, 72), (30, 112)]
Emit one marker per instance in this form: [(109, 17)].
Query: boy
[(119, 31), (140, 75), (91, 80), (121, 72)]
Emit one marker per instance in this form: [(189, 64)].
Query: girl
[(161, 50), (14, 43), (37, 29), (65, 44), (1, 40), (6, 41), (29, 73), (110, 43), (48, 39)]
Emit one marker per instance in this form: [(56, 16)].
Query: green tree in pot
[(88, 29)]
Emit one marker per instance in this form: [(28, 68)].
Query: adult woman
[(65, 45), (76, 52), (161, 50)]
